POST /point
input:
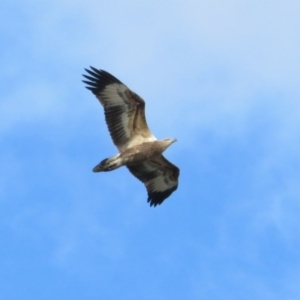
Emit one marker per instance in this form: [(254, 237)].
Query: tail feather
[(108, 164)]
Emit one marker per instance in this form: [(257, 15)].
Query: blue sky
[(220, 76)]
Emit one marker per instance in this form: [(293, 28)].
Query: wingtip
[(95, 69), (157, 198), (153, 203), (98, 79)]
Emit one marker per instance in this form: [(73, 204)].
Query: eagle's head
[(168, 142)]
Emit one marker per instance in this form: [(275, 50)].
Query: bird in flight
[(139, 150)]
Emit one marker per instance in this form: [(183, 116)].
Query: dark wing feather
[(159, 176), (124, 110)]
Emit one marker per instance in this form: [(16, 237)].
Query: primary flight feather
[(139, 150)]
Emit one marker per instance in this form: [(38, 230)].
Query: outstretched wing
[(159, 176), (124, 110)]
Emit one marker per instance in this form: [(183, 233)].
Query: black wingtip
[(153, 204), (157, 198), (97, 80)]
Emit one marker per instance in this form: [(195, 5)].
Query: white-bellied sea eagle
[(139, 150)]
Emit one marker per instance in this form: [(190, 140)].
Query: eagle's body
[(139, 150), (134, 155)]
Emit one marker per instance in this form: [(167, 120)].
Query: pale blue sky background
[(220, 76)]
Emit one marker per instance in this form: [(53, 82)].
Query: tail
[(109, 164)]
